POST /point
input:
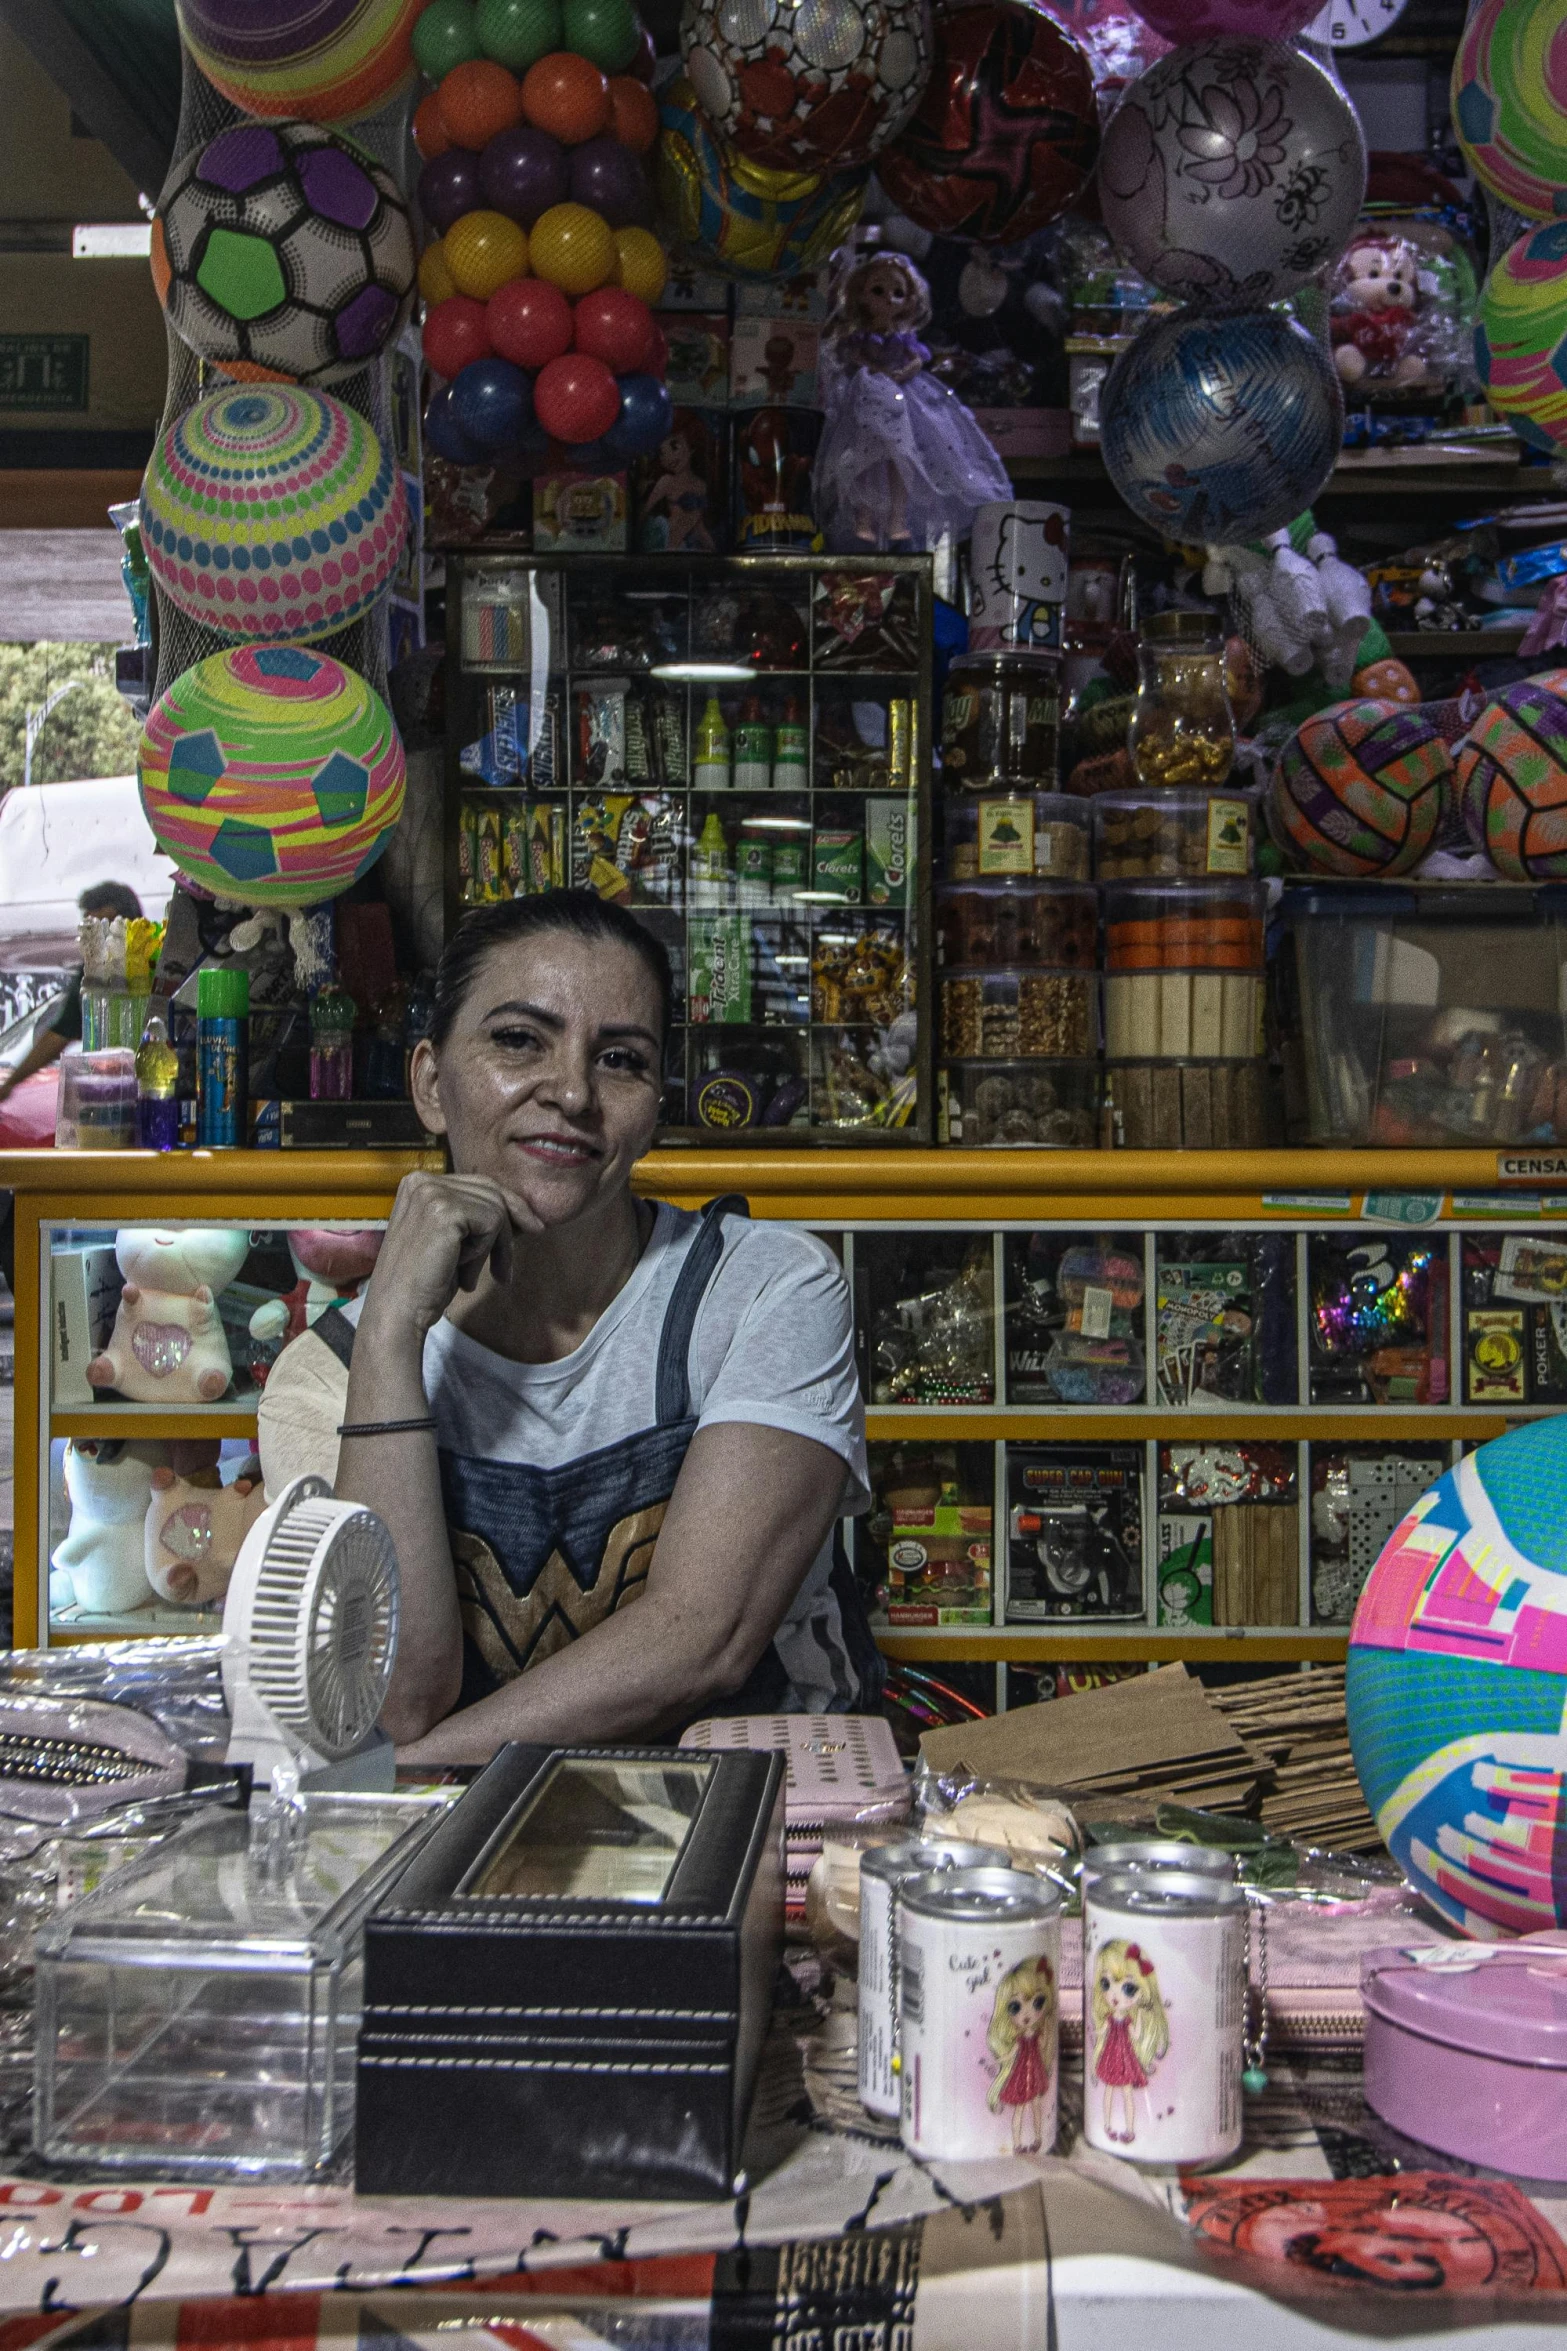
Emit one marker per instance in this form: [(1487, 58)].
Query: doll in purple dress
[(901, 459)]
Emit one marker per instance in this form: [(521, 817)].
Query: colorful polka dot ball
[(1361, 788), (1509, 101), (1521, 333), (269, 511), (321, 60), (271, 774), (1511, 776)]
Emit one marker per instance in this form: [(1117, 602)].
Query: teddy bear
[(1375, 298), (195, 1523), (168, 1344), (100, 1565), (332, 1268)]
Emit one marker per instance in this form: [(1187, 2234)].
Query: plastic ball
[(610, 180), (646, 414), (492, 403), (644, 66), (1509, 102), (271, 774), (516, 33), (483, 250), (567, 96), (1221, 429), (614, 326), (1197, 160), (640, 264), (1390, 680), (524, 172), (449, 187), (607, 31), (1217, 20), (445, 34), (819, 88), (1521, 333), (1006, 131), (1511, 774), (573, 249), (736, 216), (436, 282), (444, 434), (576, 398), (633, 114), (1361, 788), (530, 322), (325, 61), (478, 100), (431, 136), (456, 333)]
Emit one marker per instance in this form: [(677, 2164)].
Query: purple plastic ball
[(444, 434), (523, 172), (449, 187), (610, 180)]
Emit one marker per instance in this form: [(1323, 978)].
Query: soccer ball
[(1512, 778), (280, 250), (819, 86), (1360, 789)]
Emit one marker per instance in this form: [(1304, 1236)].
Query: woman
[(562, 1399)]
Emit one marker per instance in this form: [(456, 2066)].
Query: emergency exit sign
[(43, 371)]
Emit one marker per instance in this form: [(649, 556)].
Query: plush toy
[(1375, 299), (168, 1344), (195, 1524), (100, 1566), (332, 1268)]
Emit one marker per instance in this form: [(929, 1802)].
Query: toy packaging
[(85, 1291), (1074, 1532), (1229, 1541), (925, 1309), (1074, 1318), (1225, 1323), (1515, 1318), (577, 512), (927, 1539), (1185, 1570), (1378, 1319), (1359, 1492), (773, 359), (698, 361)]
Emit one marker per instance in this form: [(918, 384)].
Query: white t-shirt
[(772, 1346)]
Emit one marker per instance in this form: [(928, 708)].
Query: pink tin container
[(1466, 2049)]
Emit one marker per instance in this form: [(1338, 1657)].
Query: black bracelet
[(381, 1428)]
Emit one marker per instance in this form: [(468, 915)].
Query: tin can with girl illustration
[(882, 1871), (979, 1953), (1164, 2007)]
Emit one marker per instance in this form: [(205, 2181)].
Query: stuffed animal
[(168, 1344), (101, 1566), (195, 1524), (332, 1268), (1375, 299)]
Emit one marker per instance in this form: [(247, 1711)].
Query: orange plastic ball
[(633, 114), (431, 136), (641, 268), (483, 252), (436, 282), (567, 96), (572, 248), (478, 101)]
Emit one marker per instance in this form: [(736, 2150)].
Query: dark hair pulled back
[(572, 914)]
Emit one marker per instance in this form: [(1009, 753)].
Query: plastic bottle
[(710, 764), (157, 1088), (332, 1016), (711, 868), (754, 865), (792, 750), (753, 748), (223, 1057)]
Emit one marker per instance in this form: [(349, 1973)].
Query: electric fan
[(309, 1638)]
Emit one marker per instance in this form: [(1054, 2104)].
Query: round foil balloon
[(817, 87), (1218, 429), (271, 511), (1509, 102), (323, 60), (271, 774), (1006, 132), (1521, 333), (1231, 173), (1213, 20), (736, 216)]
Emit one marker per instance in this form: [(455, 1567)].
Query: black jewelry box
[(566, 1993)]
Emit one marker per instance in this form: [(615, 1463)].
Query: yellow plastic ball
[(436, 282), (573, 248), (483, 252), (642, 269)]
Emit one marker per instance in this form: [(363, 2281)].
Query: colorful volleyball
[(1361, 788), (1510, 773), (1457, 1687), (271, 774), (1509, 99), (323, 60), (270, 511), (1521, 333)]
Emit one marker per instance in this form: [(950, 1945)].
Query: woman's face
[(549, 1081), (675, 455)]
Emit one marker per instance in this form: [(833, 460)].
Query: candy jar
[(1182, 730)]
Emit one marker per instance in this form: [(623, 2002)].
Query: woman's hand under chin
[(445, 1232)]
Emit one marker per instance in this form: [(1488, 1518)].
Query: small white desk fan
[(309, 1639)]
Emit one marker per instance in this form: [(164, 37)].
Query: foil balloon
[(738, 217), (1370, 1296), (816, 88), (1521, 334), (1509, 102), (1221, 429), (1217, 20), (1231, 173)]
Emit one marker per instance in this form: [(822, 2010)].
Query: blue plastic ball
[(646, 414), (445, 435), (493, 402), (590, 457)]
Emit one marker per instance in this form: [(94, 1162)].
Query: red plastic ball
[(478, 101), (567, 96), (645, 63), (431, 136), (530, 322), (633, 114), (576, 398), (613, 326), (456, 331)]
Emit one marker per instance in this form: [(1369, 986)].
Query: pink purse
[(838, 1767)]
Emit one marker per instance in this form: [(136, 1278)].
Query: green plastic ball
[(606, 32), (519, 32), (445, 34)]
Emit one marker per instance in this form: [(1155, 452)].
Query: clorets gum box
[(1466, 2049)]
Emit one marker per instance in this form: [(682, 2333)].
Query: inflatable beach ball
[(323, 60), (1457, 1687), (1509, 101), (1521, 335), (272, 511), (271, 774)]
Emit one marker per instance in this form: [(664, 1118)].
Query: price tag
[(1406, 1208)]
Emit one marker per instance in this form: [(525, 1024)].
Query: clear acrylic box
[(198, 2017)]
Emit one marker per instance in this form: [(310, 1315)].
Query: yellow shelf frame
[(1029, 1644)]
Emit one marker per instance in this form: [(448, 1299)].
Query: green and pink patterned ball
[(1509, 98), (1361, 788), (1521, 334), (1511, 778), (271, 774)]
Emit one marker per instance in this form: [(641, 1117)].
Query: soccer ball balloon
[(1521, 335), (1360, 788), (281, 250), (1512, 778), (738, 216), (1509, 103), (820, 86)]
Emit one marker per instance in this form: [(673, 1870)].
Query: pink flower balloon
[(1186, 21)]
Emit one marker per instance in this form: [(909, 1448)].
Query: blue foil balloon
[(445, 435), (646, 414), (493, 403)]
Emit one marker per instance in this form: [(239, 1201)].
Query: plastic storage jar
[(1054, 1104), (990, 926), (1016, 834), (1469, 2055), (1172, 836), (1182, 730), (1187, 1106), (1019, 1015), (1000, 721)]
